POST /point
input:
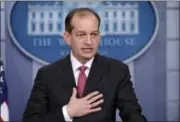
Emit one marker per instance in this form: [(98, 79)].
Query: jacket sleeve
[(127, 103), (37, 105)]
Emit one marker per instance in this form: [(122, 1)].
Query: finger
[(95, 104), (74, 93), (91, 95), (94, 110), (93, 99)]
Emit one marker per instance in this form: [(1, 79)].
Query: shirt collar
[(76, 64)]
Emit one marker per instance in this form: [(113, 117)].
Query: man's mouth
[(87, 49)]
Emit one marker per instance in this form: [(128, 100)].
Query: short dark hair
[(80, 12)]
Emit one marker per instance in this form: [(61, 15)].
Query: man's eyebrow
[(80, 32), (96, 31)]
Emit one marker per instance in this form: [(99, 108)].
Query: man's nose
[(88, 40)]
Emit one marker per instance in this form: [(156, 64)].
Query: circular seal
[(127, 28)]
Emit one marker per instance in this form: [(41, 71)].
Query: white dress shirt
[(75, 65)]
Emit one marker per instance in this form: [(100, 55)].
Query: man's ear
[(67, 37)]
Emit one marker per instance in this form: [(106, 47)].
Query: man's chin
[(89, 56)]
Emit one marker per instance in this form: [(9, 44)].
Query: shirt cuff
[(65, 113)]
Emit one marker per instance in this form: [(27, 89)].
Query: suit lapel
[(96, 74), (68, 76)]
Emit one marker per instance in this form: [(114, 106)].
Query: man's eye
[(94, 34), (80, 35)]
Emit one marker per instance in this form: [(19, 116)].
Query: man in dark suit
[(84, 86)]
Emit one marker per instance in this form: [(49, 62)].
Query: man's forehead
[(77, 27)]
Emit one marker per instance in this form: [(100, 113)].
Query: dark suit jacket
[(53, 88)]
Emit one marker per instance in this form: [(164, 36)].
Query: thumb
[(74, 93)]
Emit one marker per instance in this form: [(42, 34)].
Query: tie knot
[(82, 68)]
